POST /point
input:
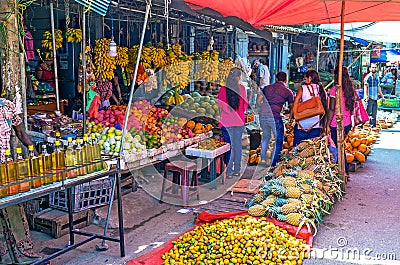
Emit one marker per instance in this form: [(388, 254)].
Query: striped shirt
[(373, 84)]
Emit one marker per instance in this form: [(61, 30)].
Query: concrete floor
[(364, 222)]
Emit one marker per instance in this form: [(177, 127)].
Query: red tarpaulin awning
[(292, 12)]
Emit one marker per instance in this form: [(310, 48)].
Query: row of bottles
[(21, 175)]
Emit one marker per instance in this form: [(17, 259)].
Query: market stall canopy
[(180, 9), (292, 12), (376, 31), (383, 56)]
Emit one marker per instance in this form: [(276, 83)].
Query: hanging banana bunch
[(132, 55), (47, 39), (224, 66), (179, 67), (122, 56), (207, 68), (159, 58), (146, 57), (73, 35), (104, 64)]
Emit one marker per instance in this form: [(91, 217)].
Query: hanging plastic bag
[(360, 115), (90, 96), (94, 107)]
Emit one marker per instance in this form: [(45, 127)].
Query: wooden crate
[(55, 222), (354, 166)]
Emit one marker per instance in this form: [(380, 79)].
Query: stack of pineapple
[(304, 187)]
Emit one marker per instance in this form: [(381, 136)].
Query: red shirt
[(228, 116)]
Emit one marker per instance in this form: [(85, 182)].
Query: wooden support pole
[(339, 103)]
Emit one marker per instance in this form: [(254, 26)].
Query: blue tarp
[(386, 56)]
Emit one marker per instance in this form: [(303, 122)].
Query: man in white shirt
[(263, 76)]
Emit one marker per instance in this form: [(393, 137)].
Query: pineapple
[(307, 198), (276, 182), (257, 210), (294, 201), (278, 191), (292, 192), (289, 208), (278, 170), (303, 145), (259, 197), (274, 211), (279, 202), (290, 174), (307, 153), (281, 217), (306, 188), (265, 189), (308, 162), (269, 175), (269, 201), (306, 174), (294, 218), (294, 162), (288, 182)]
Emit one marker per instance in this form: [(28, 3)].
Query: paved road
[(366, 221)]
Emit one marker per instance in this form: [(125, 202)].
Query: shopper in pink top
[(232, 101), (348, 101)]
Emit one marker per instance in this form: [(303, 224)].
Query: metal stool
[(181, 178)]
